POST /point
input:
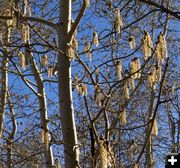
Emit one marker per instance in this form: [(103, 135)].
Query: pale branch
[(76, 23), (162, 8), (33, 19)]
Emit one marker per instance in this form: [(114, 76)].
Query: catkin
[(97, 74), (118, 21), (119, 69), (161, 48), (147, 45), (44, 61), (87, 50), (50, 71), (132, 42), (154, 128), (172, 89), (138, 67), (9, 22), (159, 73), (87, 3), (77, 85), (102, 154), (122, 117), (135, 165), (25, 32), (22, 60), (84, 89), (8, 27), (132, 83), (75, 44), (152, 77), (126, 90), (95, 39), (81, 89), (97, 95), (135, 68)]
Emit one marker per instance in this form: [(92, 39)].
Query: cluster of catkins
[(160, 49), (87, 45), (20, 24), (16, 22)]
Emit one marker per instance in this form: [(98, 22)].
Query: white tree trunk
[(71, 153)]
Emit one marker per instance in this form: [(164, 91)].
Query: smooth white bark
[(71, 153)]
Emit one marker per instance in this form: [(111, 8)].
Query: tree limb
[(76, 23), (162, 8)]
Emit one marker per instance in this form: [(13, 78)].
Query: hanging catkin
[(25, 32), (172, 89), (76, 82), (102, 154), (119, 69), (97, 74), (118, 21), (87, 50), (25, 3), (132, 42), (50, 71), (8, 27), (161, 48), (133, 68), (132, 83), (154, 128), (158, 73), (110, 157), (126, 90), (97, 94), (28, 54), (152, 77), (9, 22), (75, 44), (44, 61), (147, 45), (95, 39), (87, 4), (138, 66), (122, 117), (22, 60), (84, 89), (132, 149), (135, 165)]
